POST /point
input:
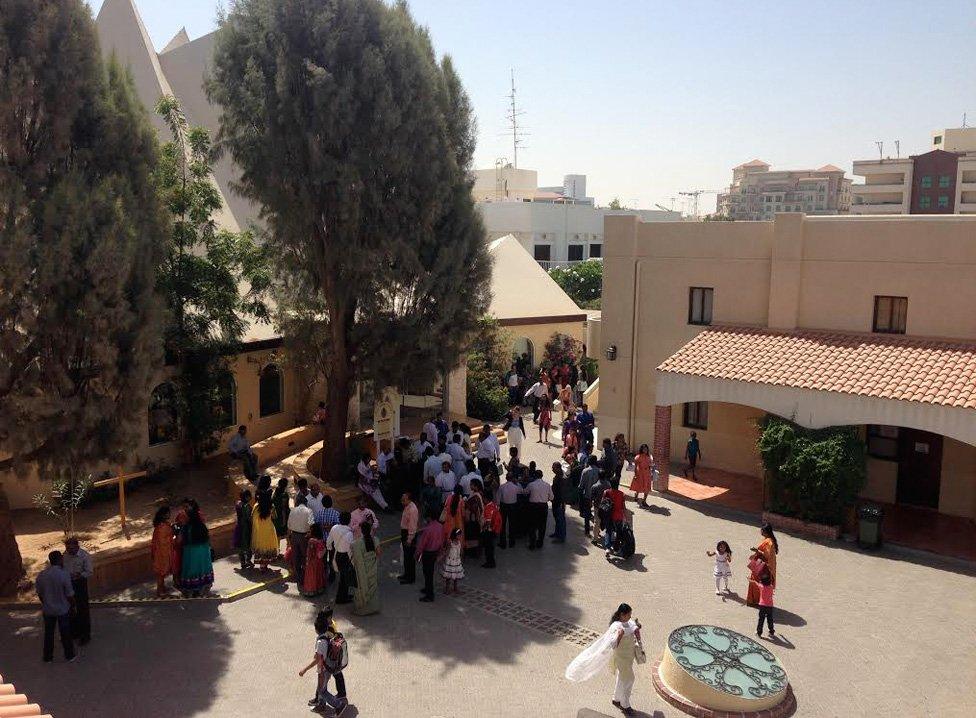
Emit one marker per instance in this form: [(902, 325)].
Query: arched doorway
[(524, 352)]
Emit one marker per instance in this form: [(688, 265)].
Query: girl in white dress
[(617, 648), (723, 567), (453, 568), (515, 429)]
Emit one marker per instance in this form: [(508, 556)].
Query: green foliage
[(615, 204), (357, 144), (202, 278), (82, 233), (583, 282), (561, 349), (487, 398), (66, 495), (813, 474), (717, 218), (591, 367)]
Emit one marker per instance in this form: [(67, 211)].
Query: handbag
[(640, 656)]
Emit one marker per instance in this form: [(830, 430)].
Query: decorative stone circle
[(713, 672)]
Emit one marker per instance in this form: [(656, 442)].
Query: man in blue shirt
[(692, 455), (57, 596)]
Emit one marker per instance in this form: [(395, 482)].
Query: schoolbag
[(606, 506), (337, 654)]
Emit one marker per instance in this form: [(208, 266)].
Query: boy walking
[(692, 455)]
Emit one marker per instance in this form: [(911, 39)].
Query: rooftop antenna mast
[(964, 120), (898, 149), (514, 113), (880, 145)]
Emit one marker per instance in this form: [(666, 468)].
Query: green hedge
[(813, 474)]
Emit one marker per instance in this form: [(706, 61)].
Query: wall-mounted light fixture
[(612, 352)]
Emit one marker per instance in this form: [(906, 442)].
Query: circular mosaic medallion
[(716, 668)]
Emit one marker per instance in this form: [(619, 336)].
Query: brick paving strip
[(529, 617)]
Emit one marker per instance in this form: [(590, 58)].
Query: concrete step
[(13, 699), (27, 709)]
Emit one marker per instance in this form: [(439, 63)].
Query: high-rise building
[(940, 181), (758, 193)]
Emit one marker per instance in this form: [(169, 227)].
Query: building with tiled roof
[(827, 321), (758, 193)]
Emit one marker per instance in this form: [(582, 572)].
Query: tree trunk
[(336, 420), (11, 563)]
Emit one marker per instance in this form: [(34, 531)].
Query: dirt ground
[(97, 523)]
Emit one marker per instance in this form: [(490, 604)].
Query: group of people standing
[(321, 544), (62, 588), (181, 548)]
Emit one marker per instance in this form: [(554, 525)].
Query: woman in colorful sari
[(161, 549), (264, 538), (641, 483), (176, 562), (314, 582), (453, 514), (196, 576), (364, 555), (766, 551)]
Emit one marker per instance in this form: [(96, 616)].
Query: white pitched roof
[(520, 288)]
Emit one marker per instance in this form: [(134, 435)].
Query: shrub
[(487, 398), (561, 349), (583, 282), (813, 474)]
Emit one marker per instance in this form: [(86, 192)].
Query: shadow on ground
[(133, 654)]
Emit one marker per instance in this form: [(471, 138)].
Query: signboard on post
[(386, 419)]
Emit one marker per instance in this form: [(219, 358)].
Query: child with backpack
[(331, 657)]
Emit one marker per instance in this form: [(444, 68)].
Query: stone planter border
[(798, 526)]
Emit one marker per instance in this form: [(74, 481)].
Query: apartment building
[(863, 321), (940, 181), (758, 193), (557, 225)]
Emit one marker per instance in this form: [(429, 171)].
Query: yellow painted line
[(249, 590)]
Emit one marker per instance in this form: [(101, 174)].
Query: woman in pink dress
[(314, 582), (642, 474)]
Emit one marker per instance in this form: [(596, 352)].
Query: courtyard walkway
[(862, 634)]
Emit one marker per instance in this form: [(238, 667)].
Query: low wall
[(121, 567), (793, 525)]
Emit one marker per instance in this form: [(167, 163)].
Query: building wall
[(931, 167), (796, 272), (246, 366), (539, 334)]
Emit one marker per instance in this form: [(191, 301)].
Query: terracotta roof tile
[(875, 365)]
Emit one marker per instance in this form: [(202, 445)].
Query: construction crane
[(695, 194)]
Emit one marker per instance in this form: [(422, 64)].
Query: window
[(890, 314), (943, 201), (883, 442), (926, 181), (271, 391), (924, 202), (542, 252), (575, 252), (596, 250), (696, 415), (944, 181), (937, 140), (163, 420), (700, 305), (226, 404)]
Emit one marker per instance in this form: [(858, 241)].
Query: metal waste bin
[(869, 526)]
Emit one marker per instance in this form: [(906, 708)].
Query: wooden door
[(919, 467)]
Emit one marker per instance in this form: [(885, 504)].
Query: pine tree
[(81, 234), (213, 280), (357, 145)]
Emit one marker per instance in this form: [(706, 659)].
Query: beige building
[(939, 181), (757, 193), (864, 321)]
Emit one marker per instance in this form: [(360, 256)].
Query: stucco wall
[(728, 443), (539, 334), (957, 493), (882, 481)]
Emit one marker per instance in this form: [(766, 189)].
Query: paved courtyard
[(862, 634)]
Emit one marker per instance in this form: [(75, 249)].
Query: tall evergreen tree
[(357, 145), (213, 280), (81, 234)]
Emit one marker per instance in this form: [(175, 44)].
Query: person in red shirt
[(491, 527), (616, 498)]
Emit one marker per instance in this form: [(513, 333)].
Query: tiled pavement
[(862, 634)]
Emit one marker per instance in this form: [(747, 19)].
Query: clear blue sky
[(647, 98)]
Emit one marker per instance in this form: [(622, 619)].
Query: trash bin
[(869, 526)]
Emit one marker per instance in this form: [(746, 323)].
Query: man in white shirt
[(489, 451), (465, 481), (512, 381), (446, 481), (77, 562), (536, 392), (432, 464), (540, 494), (458, 455), (300, 520), (508, 494), (430, 431), (314, 501), (420, 446), (382, 459), (339, 544), (240, 448)]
